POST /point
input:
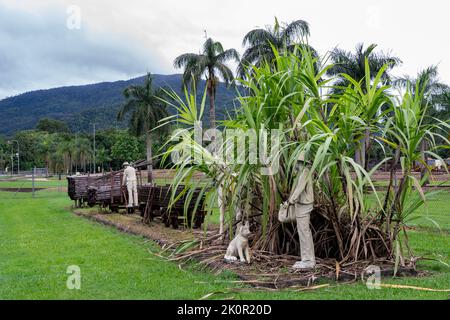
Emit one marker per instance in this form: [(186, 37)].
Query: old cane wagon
[(155, 201), (110, 192), (107, 190), (78, 186)]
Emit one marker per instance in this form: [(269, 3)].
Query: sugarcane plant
[(290, 106)]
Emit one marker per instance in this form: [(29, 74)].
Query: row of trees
[(52, 145)]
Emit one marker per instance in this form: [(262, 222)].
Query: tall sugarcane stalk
[(291, 95)]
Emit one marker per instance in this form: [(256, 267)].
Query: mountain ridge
[(82, 105)]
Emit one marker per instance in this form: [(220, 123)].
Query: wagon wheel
[(165, 218), (154, 213), (142, 210), (199, 219), (114, 208), (174, 219)]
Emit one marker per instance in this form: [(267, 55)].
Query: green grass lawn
[(27, 183), (40, 238)]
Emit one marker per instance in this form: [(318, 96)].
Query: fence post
[(32, 178)]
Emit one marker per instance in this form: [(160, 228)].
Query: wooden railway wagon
[(155, 202), (106, 196), (104, 189), (108, 191), (77, 187)]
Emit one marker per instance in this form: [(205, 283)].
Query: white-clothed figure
[(302, 198), (130, 180)]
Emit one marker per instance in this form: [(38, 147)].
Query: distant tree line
[(51, 144)]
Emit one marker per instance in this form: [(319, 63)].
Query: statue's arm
[(299, 186)]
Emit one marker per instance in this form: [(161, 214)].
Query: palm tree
[(83, 152), (261, 42), (435, 93), (354, 65), (102, 158), (212, 63), (443, 106), (146, 109), (66, 150), (428, 81)]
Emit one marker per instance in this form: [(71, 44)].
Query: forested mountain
[(81, 106)]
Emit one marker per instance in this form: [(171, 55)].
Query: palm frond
[(257, 37), (185, 59), (295, 29)]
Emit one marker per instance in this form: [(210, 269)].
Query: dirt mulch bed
[(21, 189), (265, 272), (131, 223)]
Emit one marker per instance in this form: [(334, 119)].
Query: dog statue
[(239, 245)]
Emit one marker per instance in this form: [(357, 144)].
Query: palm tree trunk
[(148, 141), (212, 108)]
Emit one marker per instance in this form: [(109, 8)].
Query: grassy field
[(40, 238)]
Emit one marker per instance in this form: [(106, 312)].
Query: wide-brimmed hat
[(125, 164)]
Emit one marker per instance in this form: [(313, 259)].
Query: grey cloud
[(39, 51)]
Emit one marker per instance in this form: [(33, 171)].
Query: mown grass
[(434, 214), (12, 182), (40, 238)]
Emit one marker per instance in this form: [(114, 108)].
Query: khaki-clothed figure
[(130, 180), (302, 197)]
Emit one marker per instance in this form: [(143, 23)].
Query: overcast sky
[(43, 44)]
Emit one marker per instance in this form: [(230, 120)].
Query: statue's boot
[(303, 265)]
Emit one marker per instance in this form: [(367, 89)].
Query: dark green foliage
[(145, 107), (103, 117), (5, 154), (353, 64), (281, 37), (52, 126), (68, 153), (211, 62), (126, 148)]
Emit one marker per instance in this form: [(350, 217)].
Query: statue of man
[(302, 198), (129, 179)]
